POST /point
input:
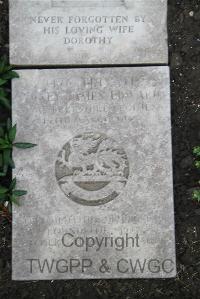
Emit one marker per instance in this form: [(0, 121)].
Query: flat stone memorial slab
[(92, 32), (100, 194)]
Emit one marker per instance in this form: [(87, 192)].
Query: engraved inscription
[(87, 30)]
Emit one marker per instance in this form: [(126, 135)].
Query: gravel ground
[(184, 46)]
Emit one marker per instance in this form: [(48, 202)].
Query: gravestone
[(100, 195), (79, 32)]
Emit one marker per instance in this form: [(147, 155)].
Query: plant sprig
[(7, 138), (6, 74), (196, 195), (4, 98), (8, 195), (11, 194)]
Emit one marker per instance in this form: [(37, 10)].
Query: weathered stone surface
[(46, 32), (100, 180)]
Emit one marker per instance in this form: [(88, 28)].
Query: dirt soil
[(184, 47)]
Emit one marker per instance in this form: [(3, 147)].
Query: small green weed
[(7, 138), (8, 195), (6, 74)]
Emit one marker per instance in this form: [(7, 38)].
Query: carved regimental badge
[(92, 169)]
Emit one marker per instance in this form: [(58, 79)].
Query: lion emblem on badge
[(92, 169)]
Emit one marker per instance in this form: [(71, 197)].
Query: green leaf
[(5, 143), (4, 67), (12, 133), (9, 75), (2, 141), (197, 164), (19, 193), (4, 98), (5, 146), (2, 81), (5, 102), (13, 184), (6, 157), (196, 195), (14, 200), (3, 190), (196, 151), (24, 145)]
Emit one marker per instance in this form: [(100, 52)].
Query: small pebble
[(191, 13)]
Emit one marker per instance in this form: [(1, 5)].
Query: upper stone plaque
[(46, 32)]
